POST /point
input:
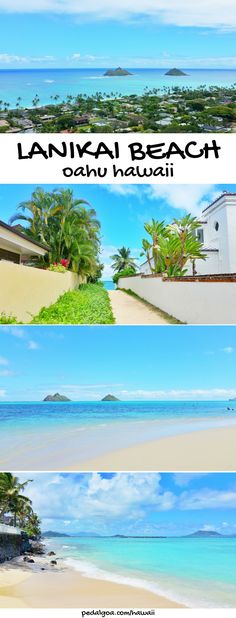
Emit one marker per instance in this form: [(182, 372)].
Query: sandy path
[(129, 310)]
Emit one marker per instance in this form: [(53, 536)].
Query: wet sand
[(181, 444)]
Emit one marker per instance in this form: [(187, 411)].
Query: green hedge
[(90, 304), (126, 272)]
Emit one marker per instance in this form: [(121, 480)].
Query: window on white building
[(200, 235)]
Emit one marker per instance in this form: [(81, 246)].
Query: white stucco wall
[(25, 290), (5, 529), (223, 212), (191, 302)]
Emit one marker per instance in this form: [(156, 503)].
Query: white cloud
[(9, 58), (124, 190), (182, 479), (15, 59), (208, 527), (93, 500), (2, 392), (204, 13), (33, 345), (184, 394), (192, 198), (6, 373), (207, 499), (4, 361), (228, 350)]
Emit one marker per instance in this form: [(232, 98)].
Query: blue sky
[(68, 33), (134, 503), (134, 363), (123, 209)]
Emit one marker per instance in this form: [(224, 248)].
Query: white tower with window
[(218, 233)]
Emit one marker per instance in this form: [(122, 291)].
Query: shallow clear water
[(16, 416), (109, 285), (194, 571), (46, 83)]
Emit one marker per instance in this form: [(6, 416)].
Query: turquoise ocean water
[(109, 285), (21, 416), (46, 83), (197, 572)]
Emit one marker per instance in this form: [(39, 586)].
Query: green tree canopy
[(68, 226)]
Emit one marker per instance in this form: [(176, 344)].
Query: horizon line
[(108, 67)]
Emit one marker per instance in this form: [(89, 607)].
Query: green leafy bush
[(90, 304), (57, 268), (126, 272), (8, 319)]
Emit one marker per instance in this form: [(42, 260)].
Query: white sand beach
[(202, 444), (22, 586), (211, 449)]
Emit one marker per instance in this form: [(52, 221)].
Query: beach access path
[(129, 310)]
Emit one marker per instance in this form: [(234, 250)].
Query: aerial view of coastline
[(108, 398), (143, 540), (67, 71)]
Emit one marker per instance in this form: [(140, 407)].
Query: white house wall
[(209, 302)]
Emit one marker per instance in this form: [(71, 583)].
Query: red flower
[(64, 262)]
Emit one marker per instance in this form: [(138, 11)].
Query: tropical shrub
[(126, 272), (8, 319), (57, 268), (172, 247), (13, 501), (68, 226), (90, 304)]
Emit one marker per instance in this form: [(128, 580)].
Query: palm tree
[(123, 260), (11, 498), (176, 253), (157, 230), (35, 100), (65, 224), (186, 229), (172, 246)]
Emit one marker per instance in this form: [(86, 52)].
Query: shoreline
[(161, 444), (28, 587), (209, 449), (73, 114)]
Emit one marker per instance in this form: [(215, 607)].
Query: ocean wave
[(87, 569), (191, 597)]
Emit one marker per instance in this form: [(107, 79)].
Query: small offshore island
[(56, 397), (110, 398), (119, 72), (175, 72)]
